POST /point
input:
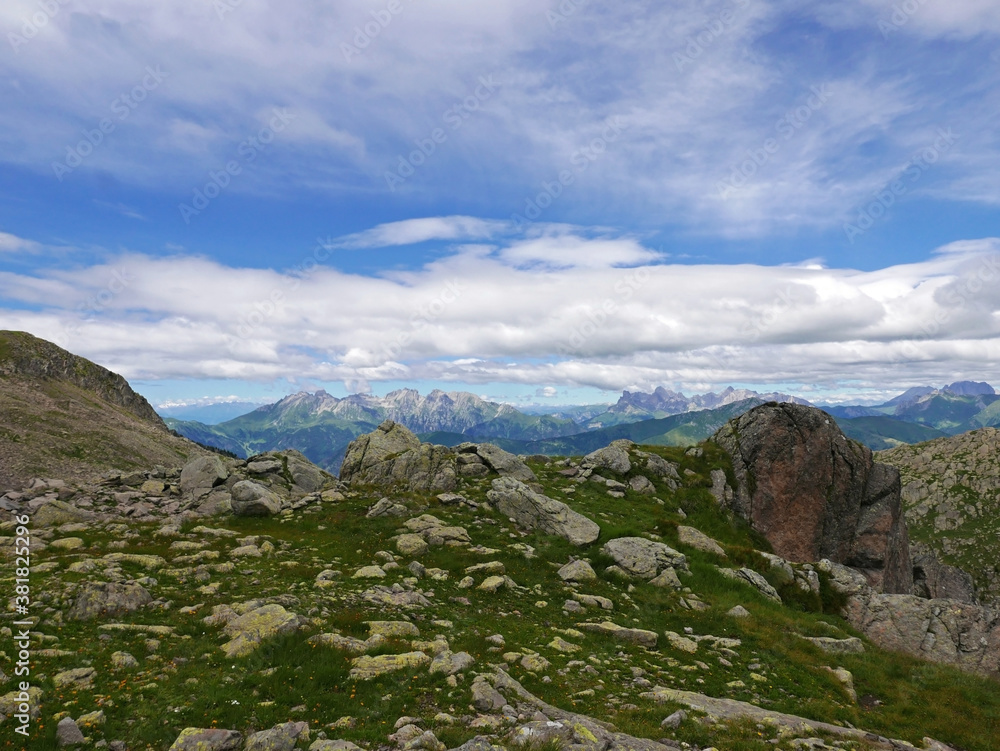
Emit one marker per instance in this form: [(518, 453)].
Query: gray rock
[(641, 485), (644, 558), (485, 698), (631, 635), (514, 499), (392, 455), (54, 513), (67, 733), (108, 600), (674, 721), (699, 541), (613, 458), (207, 739), (450, 663), (504, 463), (202, 474), (755, 580), (934, 580), (251, 499), (738, 611), (278, 738), (945, 631), (577, 571), (850, 646), (386, 507)]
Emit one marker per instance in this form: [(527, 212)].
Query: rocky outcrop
[(815, 494), (251, 499), (934, 580), (514, 499), (951, 499), (392, 455), (107, 600), (939, 630)]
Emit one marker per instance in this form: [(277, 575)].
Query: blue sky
[(534, 201)]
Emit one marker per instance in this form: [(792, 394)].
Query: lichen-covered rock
[(55, 513), (411, 545), (755, 580), (207, 739), (247, 631), (699, 541), (533, 510), (392, 455), (200, 475), (577, 571), (450, 663), (631, 635), (252, 499), (502, 462), (614, 458), (279, 738), (815, 494), (108, 600), (365, 668), (77, 678), (644, 558)]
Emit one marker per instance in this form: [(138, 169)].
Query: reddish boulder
[(814, 493)]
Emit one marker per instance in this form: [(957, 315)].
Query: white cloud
[(12, 244), (487, 318), (412, 231)]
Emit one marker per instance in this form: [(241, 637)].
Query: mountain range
[(320, 425)]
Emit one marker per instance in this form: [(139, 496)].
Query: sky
[(536, 201)]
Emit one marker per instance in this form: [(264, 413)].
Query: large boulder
[(392, 455), (200, 475), (815, 494), (644, 558), (933, 579), (502, 462), (939, 630), (613, 458), (108, 600), (251, 499), (514, 499)]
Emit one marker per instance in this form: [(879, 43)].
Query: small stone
[(123, 660), (738, 612), (68, 734), (577, 571)]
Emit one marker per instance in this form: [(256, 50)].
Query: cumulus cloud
[(487, 317)]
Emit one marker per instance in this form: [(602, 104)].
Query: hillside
[(883, 432), (332, 617), (64, 416), (951, 491)]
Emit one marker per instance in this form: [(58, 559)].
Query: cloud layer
[(558, 306)]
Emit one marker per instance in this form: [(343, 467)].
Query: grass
[(187, 681)]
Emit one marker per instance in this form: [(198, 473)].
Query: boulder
[(56, 513), (945, 631), (514, 499), (108, 600), (251, 499), (815, 494), (279, 738), (202, 474), (631, 635), (392, 455), (365, 668), (644, 558), (614, 458), (68, 734), (935, 580), (699, 541), (755, 580), (504, 463), (207, 739), (250, 629), (577, 571)]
